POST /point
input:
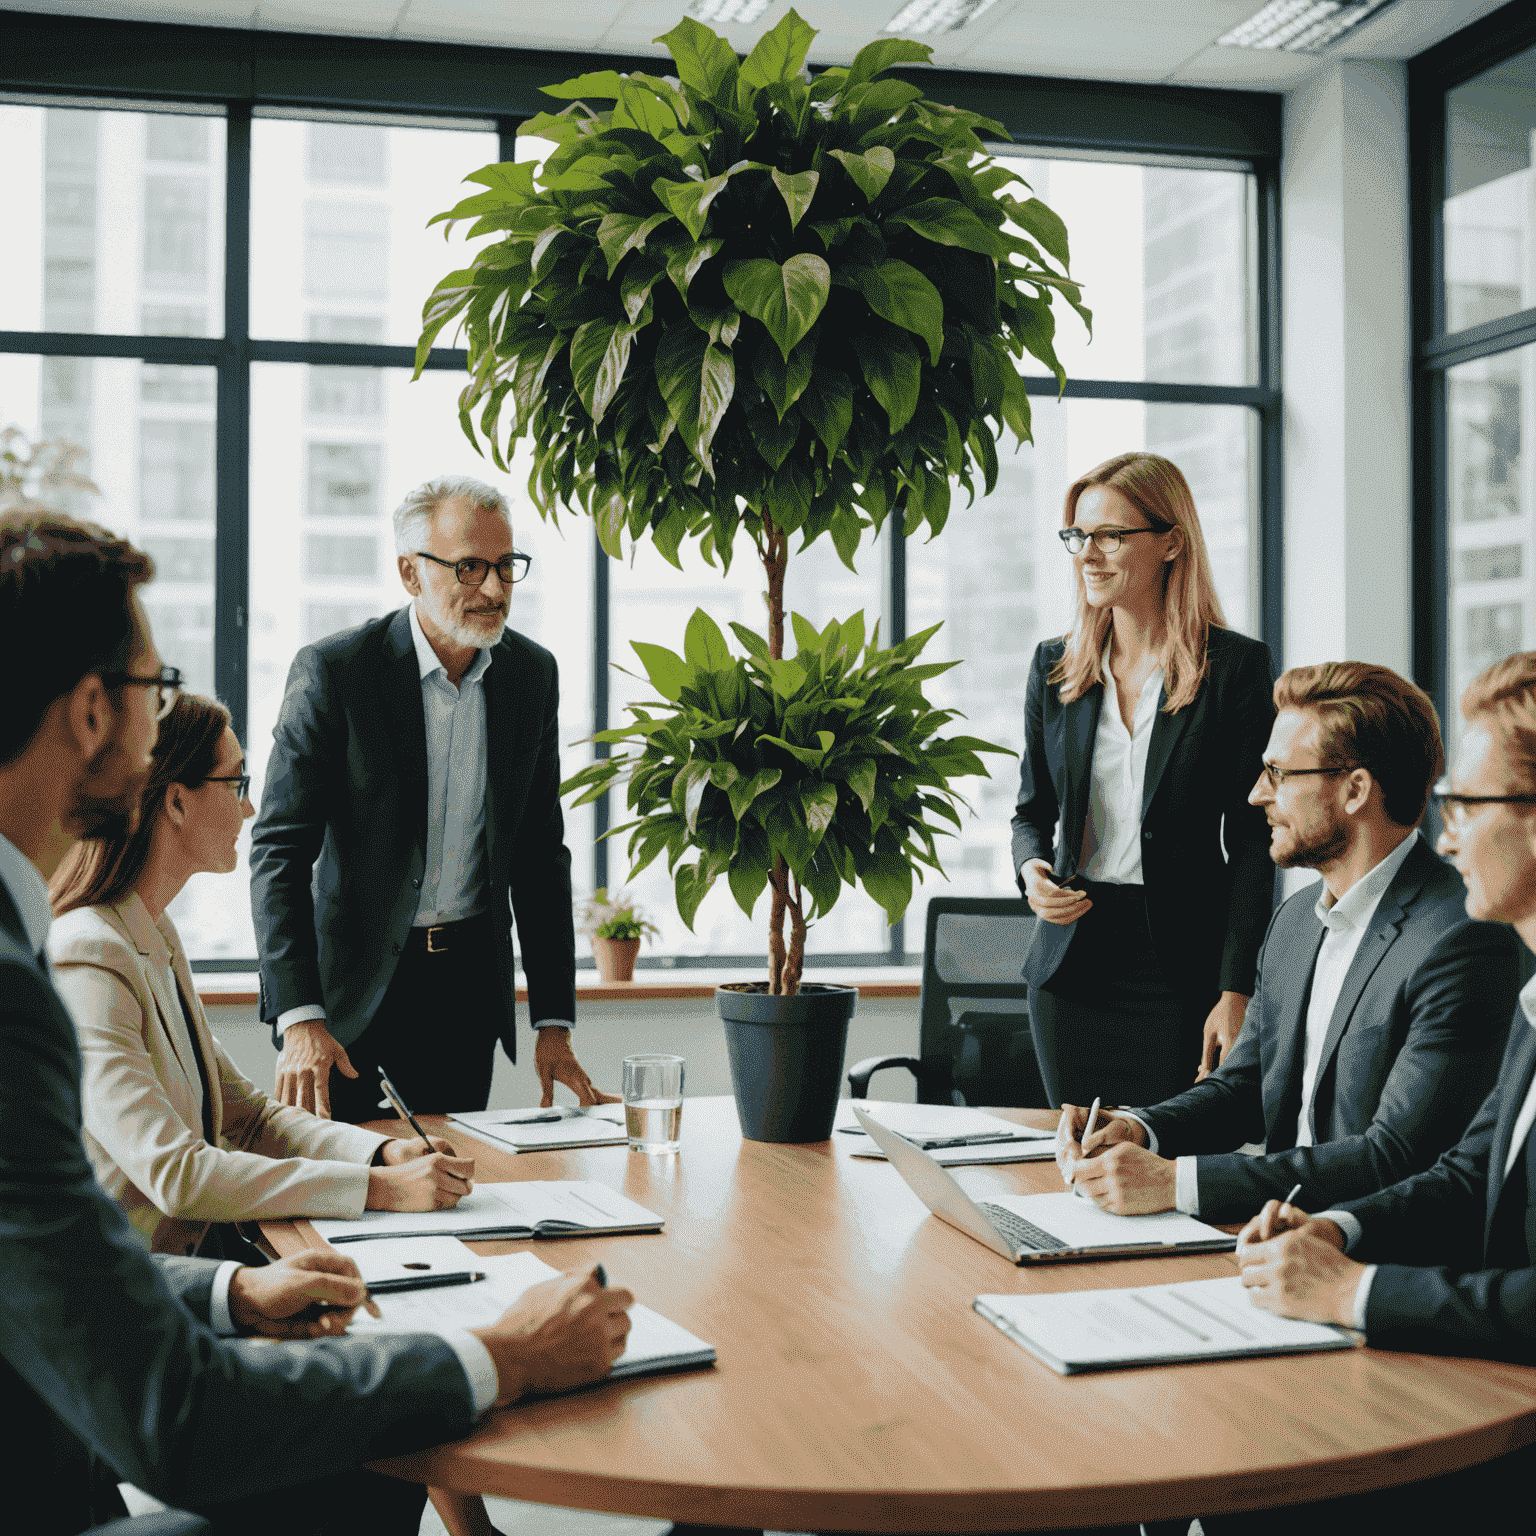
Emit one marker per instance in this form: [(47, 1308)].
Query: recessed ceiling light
[(937, 15), (1299, 26), (728, 10)]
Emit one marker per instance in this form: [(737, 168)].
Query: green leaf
[(744, 791), (819, 805), (639, 278), (779, 54), (772, 437), (807, 636), (693, 780), (787, 299), (600, 85), (827, 404), (668, 672), (883, 54), (705, 62), (720, 325), (683, 264), (1045, 225), (893, 370), (797, 192), (704, 645), (599, 356), (783, 381), (697, 380), (788, 678), (946, 222), (690, 200), (889, 881), (861, 780), (870, 171), (748, 877), (621, 233), (690, 885), (901, 294), (643, 109), (752, 642)]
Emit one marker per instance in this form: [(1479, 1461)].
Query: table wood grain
[(857, 1390)]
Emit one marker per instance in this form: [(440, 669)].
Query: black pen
[(404, 1113), (425, 1282)]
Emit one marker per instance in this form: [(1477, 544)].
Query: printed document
[(546, 1130)]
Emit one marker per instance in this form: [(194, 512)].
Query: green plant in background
[(828, 766), (602, 916), (40, 475)]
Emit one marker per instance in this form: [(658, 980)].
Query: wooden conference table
[(856, 1390)]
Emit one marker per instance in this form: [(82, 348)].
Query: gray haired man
[(411, 813)]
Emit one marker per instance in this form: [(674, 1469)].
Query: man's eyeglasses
[(1278, 775), (1106, 540), (472, 571), (1454, 807), (241, 781), (167, 681)]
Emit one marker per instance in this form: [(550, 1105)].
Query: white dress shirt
[(1345, 923), (1112, 830), (29, 891), (1349, 1224)]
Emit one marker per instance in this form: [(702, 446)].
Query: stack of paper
[(546, 1130), (527, 1208), (955, 1135), (655, 1342), (1075, 1331)]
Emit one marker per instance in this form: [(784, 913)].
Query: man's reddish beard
[(1314, 852), (110, 795)]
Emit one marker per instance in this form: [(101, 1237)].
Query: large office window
[(218, 301), (1476, 354)]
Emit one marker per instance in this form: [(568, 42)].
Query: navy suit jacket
[(1207, 910), (1411, 1051), (105, 1352), (1457, 1243), (339, 850)]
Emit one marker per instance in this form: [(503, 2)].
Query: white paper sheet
[(402, 1258), (654, 1343), (931, 1122), (1081, 1224), (597, 1127), (1190, 1320), (501, 1208), (961, 1157)]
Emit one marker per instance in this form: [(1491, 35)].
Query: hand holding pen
[(428, 1180), (1277, 1216)]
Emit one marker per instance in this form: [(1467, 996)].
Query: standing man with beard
[(1366, 1047), (416, 758)]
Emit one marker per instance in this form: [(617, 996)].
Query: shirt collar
[(1152, 686), (1528, 1001), (28, 890), (1357, 904), (427, 659)]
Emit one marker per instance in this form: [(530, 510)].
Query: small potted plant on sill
[(615, 926), (742, 301)]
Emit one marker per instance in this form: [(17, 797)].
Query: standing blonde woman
[(1133, 838)]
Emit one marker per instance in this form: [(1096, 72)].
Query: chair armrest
[(860, 1072), (164, 1522)]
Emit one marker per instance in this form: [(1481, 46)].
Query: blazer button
[(416, 885), (395, 947)]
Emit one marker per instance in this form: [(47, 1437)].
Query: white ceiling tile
[(525, 24), (205, 13), (1248, 69), (352, 18)]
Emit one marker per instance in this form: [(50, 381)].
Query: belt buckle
[(433, 947)]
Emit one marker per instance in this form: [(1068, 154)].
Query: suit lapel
[(1284, 1103), (504, 713), (142, 934), (405, 719), (203, 1042), (1166, 731), (1519, 1080), (1082, 724)]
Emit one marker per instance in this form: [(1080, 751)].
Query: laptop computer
[(1042, 1229)]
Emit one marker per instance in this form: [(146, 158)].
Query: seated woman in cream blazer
[(177, 1135)]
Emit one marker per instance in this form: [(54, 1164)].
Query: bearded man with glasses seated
[(411, 814), (1366, 1047)]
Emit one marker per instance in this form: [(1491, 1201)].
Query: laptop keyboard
[(1028, 1237)]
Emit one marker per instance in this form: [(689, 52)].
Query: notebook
[(984, 1138), (1075, 1331), (655, 1343), (526, 1209), (546, 1130), (1043, 1229)]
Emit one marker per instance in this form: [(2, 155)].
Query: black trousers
[(344, 1504), (436, 1029), (1107, 1024)]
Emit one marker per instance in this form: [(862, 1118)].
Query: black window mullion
[(896, 574), (1271, 531), (231, 589)]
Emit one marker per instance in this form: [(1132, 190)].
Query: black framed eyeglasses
[(1453, 807), (1107, 540), (472, 570), (241, 781), (1278, 775), (167, 680)]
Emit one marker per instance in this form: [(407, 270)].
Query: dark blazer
[(1207, 912), (104, 1352), (347, 787), (1457, 1244), (1411, 1052)]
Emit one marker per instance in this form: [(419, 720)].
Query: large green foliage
[(831, 761), (743, 295)]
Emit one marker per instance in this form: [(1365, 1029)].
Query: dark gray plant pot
[(787, 1058)]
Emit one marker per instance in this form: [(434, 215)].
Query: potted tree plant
[(660, 319), (614, 926)]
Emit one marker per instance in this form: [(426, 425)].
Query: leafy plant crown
[(602, 916), (831, 760), (741, 294)]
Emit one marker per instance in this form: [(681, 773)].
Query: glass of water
[(653, 1102)]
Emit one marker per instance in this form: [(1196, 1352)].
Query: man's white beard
[(478, 630)]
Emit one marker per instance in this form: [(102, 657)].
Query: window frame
[(64, 61)]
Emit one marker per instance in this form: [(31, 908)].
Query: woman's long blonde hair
[(1156, 487)]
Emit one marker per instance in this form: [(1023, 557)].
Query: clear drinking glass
[(653, 1102)]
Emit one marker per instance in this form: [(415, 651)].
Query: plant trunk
[(775, 552), (784, 963), (778, 883), (794, 964)]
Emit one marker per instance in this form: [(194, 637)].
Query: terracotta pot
[(615, 958)]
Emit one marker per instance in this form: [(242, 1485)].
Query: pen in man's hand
[(405, 1114), (601, 1275), (1285, 1204), (425, 1282), (1093, 1119)]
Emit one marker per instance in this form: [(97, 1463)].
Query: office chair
[(165, 1522), (974, 1041)]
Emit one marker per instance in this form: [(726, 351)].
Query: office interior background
[(1313, 275)]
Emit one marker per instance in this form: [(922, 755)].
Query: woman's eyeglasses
[(1107, 540), (241, 781)]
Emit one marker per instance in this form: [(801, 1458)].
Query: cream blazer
[(118, 971)]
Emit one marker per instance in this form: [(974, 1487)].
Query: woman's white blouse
[(1112, 832)]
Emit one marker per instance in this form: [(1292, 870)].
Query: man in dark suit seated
[(1444, 1262), (118, 1366), (411, 810), (1366, 1048)]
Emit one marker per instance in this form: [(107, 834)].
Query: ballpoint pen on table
[(405, 1114), (978, 1140)]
